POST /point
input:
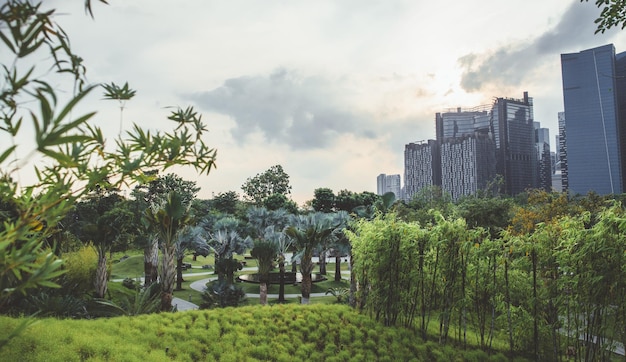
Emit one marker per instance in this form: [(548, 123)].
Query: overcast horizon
[(332, 91)]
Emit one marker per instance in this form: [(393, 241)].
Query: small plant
[(220, 294), (341, 294), (130, 283)]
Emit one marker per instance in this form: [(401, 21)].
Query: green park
[(110, 255)]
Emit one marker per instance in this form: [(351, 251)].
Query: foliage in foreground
[(278, 333)]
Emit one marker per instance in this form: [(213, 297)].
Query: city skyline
[(330, 91)]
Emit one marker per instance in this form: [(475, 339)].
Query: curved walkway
[(200, 286)]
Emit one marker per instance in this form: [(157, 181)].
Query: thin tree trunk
[(151, 262), (306, 267), (101, 275), (535, 306), (353, 288), (179, 273), (508, 303), (338, 267), (281, 277), (263, 293), (322, 260), (168, 273)]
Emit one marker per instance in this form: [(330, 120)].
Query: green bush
[(80, 269)]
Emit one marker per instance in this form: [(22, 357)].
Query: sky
[(330, 90)]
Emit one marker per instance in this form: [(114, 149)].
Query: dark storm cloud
[(303, 112), (510, 64)]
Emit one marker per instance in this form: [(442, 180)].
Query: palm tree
[(270, 225), (225, 243), (308, 232), (168, 220), (340, 243), (265, 252), (191, 238)]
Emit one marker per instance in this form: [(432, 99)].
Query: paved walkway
[(200, 286)]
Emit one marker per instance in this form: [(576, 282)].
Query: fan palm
[(307, 233), (168, 220), (265, 252)]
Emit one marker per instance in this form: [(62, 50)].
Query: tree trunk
[(281, 285), (179, 273), (168, 273), (322, 260), (151, 262), (100, 283), (306, 267), (263, 292), (353, 289), (508, 303), (337, 267)]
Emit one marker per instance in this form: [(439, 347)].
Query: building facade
[(389, 183), (593, 93), (467, 164), (422, 167), (514, 135)]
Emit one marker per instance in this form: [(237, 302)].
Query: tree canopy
[(613, 14), (272, 181)]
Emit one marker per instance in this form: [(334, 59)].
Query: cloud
[(511, 64), (285, 107)]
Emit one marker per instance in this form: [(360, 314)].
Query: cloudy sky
[(330, 90)]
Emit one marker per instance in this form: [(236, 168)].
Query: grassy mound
[(277, 333)]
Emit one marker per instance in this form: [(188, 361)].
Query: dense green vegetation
[(540, 275), (277, 333)]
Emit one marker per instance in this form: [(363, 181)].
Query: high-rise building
[(467, 164), (422, 167), (476, 145), (462, 122), (544, 158), (514, 135), (389, 183), (593, 96)]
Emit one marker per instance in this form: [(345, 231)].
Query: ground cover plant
[(277, 333)]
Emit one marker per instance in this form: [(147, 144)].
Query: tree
[(323, 200), (272, 181), (270, 225), (191, 238), (280, 201), (265, 252), (385, 259), (67, 152), (169, 219), (100, 220), (307, 233), (226, 202), (152, 194), (225, 241), (613, 14)]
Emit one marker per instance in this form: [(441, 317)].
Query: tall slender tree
[(308, 232), (169, 220)]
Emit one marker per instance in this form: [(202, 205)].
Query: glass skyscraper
[(592, 92)]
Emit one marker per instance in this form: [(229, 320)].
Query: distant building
[(544, 158), (389, 183), (594, 96), (514, 135), (422, 167), (467, 164), (476, 145)]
